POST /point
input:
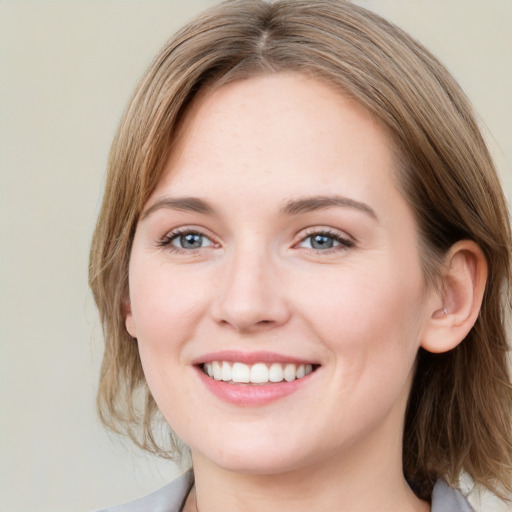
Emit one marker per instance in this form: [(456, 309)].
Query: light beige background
[(67, 69)]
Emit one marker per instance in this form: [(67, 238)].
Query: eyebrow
[(291, 207), (190, 204), (309, 204)]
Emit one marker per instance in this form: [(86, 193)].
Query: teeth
[(290, 372), (240, 373), (217, 370), (275, 373), (226, 371), (259, 373)]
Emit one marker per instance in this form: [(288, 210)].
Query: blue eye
[(186, 240), (322, 242), (325, 241)]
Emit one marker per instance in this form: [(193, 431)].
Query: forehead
[(281, 128)]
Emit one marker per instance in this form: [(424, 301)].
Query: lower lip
[(252, 395)]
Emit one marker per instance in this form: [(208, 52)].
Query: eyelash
[(344, 243), (168, 239)]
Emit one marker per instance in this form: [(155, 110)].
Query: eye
[(186, 240), (323, 241)]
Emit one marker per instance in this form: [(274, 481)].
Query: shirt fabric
[(172, 497)]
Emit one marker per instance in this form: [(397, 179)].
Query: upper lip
[(236, 356)]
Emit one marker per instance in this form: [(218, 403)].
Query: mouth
[(253, 379), (260, 373)]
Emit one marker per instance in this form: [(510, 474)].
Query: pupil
[(191, 241), (322, 242)]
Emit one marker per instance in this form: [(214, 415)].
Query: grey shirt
[(172, 497)]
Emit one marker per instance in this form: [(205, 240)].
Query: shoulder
[(469, 497), (169, 498), (448, 499), (480, 498)]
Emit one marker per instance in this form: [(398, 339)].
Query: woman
[(302, 262)]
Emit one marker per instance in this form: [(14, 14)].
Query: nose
[(251, 296)]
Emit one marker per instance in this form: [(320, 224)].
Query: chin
[(258, 459)]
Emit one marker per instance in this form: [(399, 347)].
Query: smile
[(258, 373), (254, 379)]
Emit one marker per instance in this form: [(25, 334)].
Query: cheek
[(165, 312), (363, 300), (369, 320), (370, 323), (164, 304)]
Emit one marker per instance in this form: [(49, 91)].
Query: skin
[(360, 310)]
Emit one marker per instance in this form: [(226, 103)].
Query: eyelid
[(166, 240), (324, 230), (345, 241)]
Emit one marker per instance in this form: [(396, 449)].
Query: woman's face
[(276, 247)]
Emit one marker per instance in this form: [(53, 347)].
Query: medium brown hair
[(459, 411)]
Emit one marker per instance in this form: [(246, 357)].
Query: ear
[(128, 318), (456, 306)]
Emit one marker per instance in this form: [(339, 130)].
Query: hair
[(460, 407)]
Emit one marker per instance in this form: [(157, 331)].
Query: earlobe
[(459, 299), (128, 319)]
